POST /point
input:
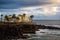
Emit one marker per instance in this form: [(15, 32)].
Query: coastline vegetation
[(17, 18)]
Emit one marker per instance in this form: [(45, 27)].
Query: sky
[(41, 9)]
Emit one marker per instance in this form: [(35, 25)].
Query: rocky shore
[(10, 30)]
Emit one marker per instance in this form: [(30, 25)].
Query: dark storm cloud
[(11, 4)]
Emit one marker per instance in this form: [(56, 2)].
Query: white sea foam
[(54, 25)]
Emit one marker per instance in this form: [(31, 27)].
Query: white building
[(23, 18)]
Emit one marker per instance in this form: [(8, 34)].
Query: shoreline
[(18, 29)]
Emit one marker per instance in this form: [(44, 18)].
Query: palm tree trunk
[(1, 19)]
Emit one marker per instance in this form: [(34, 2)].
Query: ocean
[(54, 34), (46, 34), (47, 22), (50, 34)]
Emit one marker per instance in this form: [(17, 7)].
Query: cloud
[(33, 10), (36, 12), (12, 4), (40, 12), (55, 1)]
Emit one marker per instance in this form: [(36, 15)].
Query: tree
[(1, 17), (6, 18), (24, 14), (14, 17), (31, 17), (10, 17)]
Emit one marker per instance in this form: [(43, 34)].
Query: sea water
[(50, 34), (47, 22)]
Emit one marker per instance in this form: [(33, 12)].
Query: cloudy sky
[(41, 9)]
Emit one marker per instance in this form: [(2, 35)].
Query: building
[(24, 18)]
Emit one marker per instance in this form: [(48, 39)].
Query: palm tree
[(6, 18), (10, 17), (1, 17), (31, 17), (14, 17), (24, 14)]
